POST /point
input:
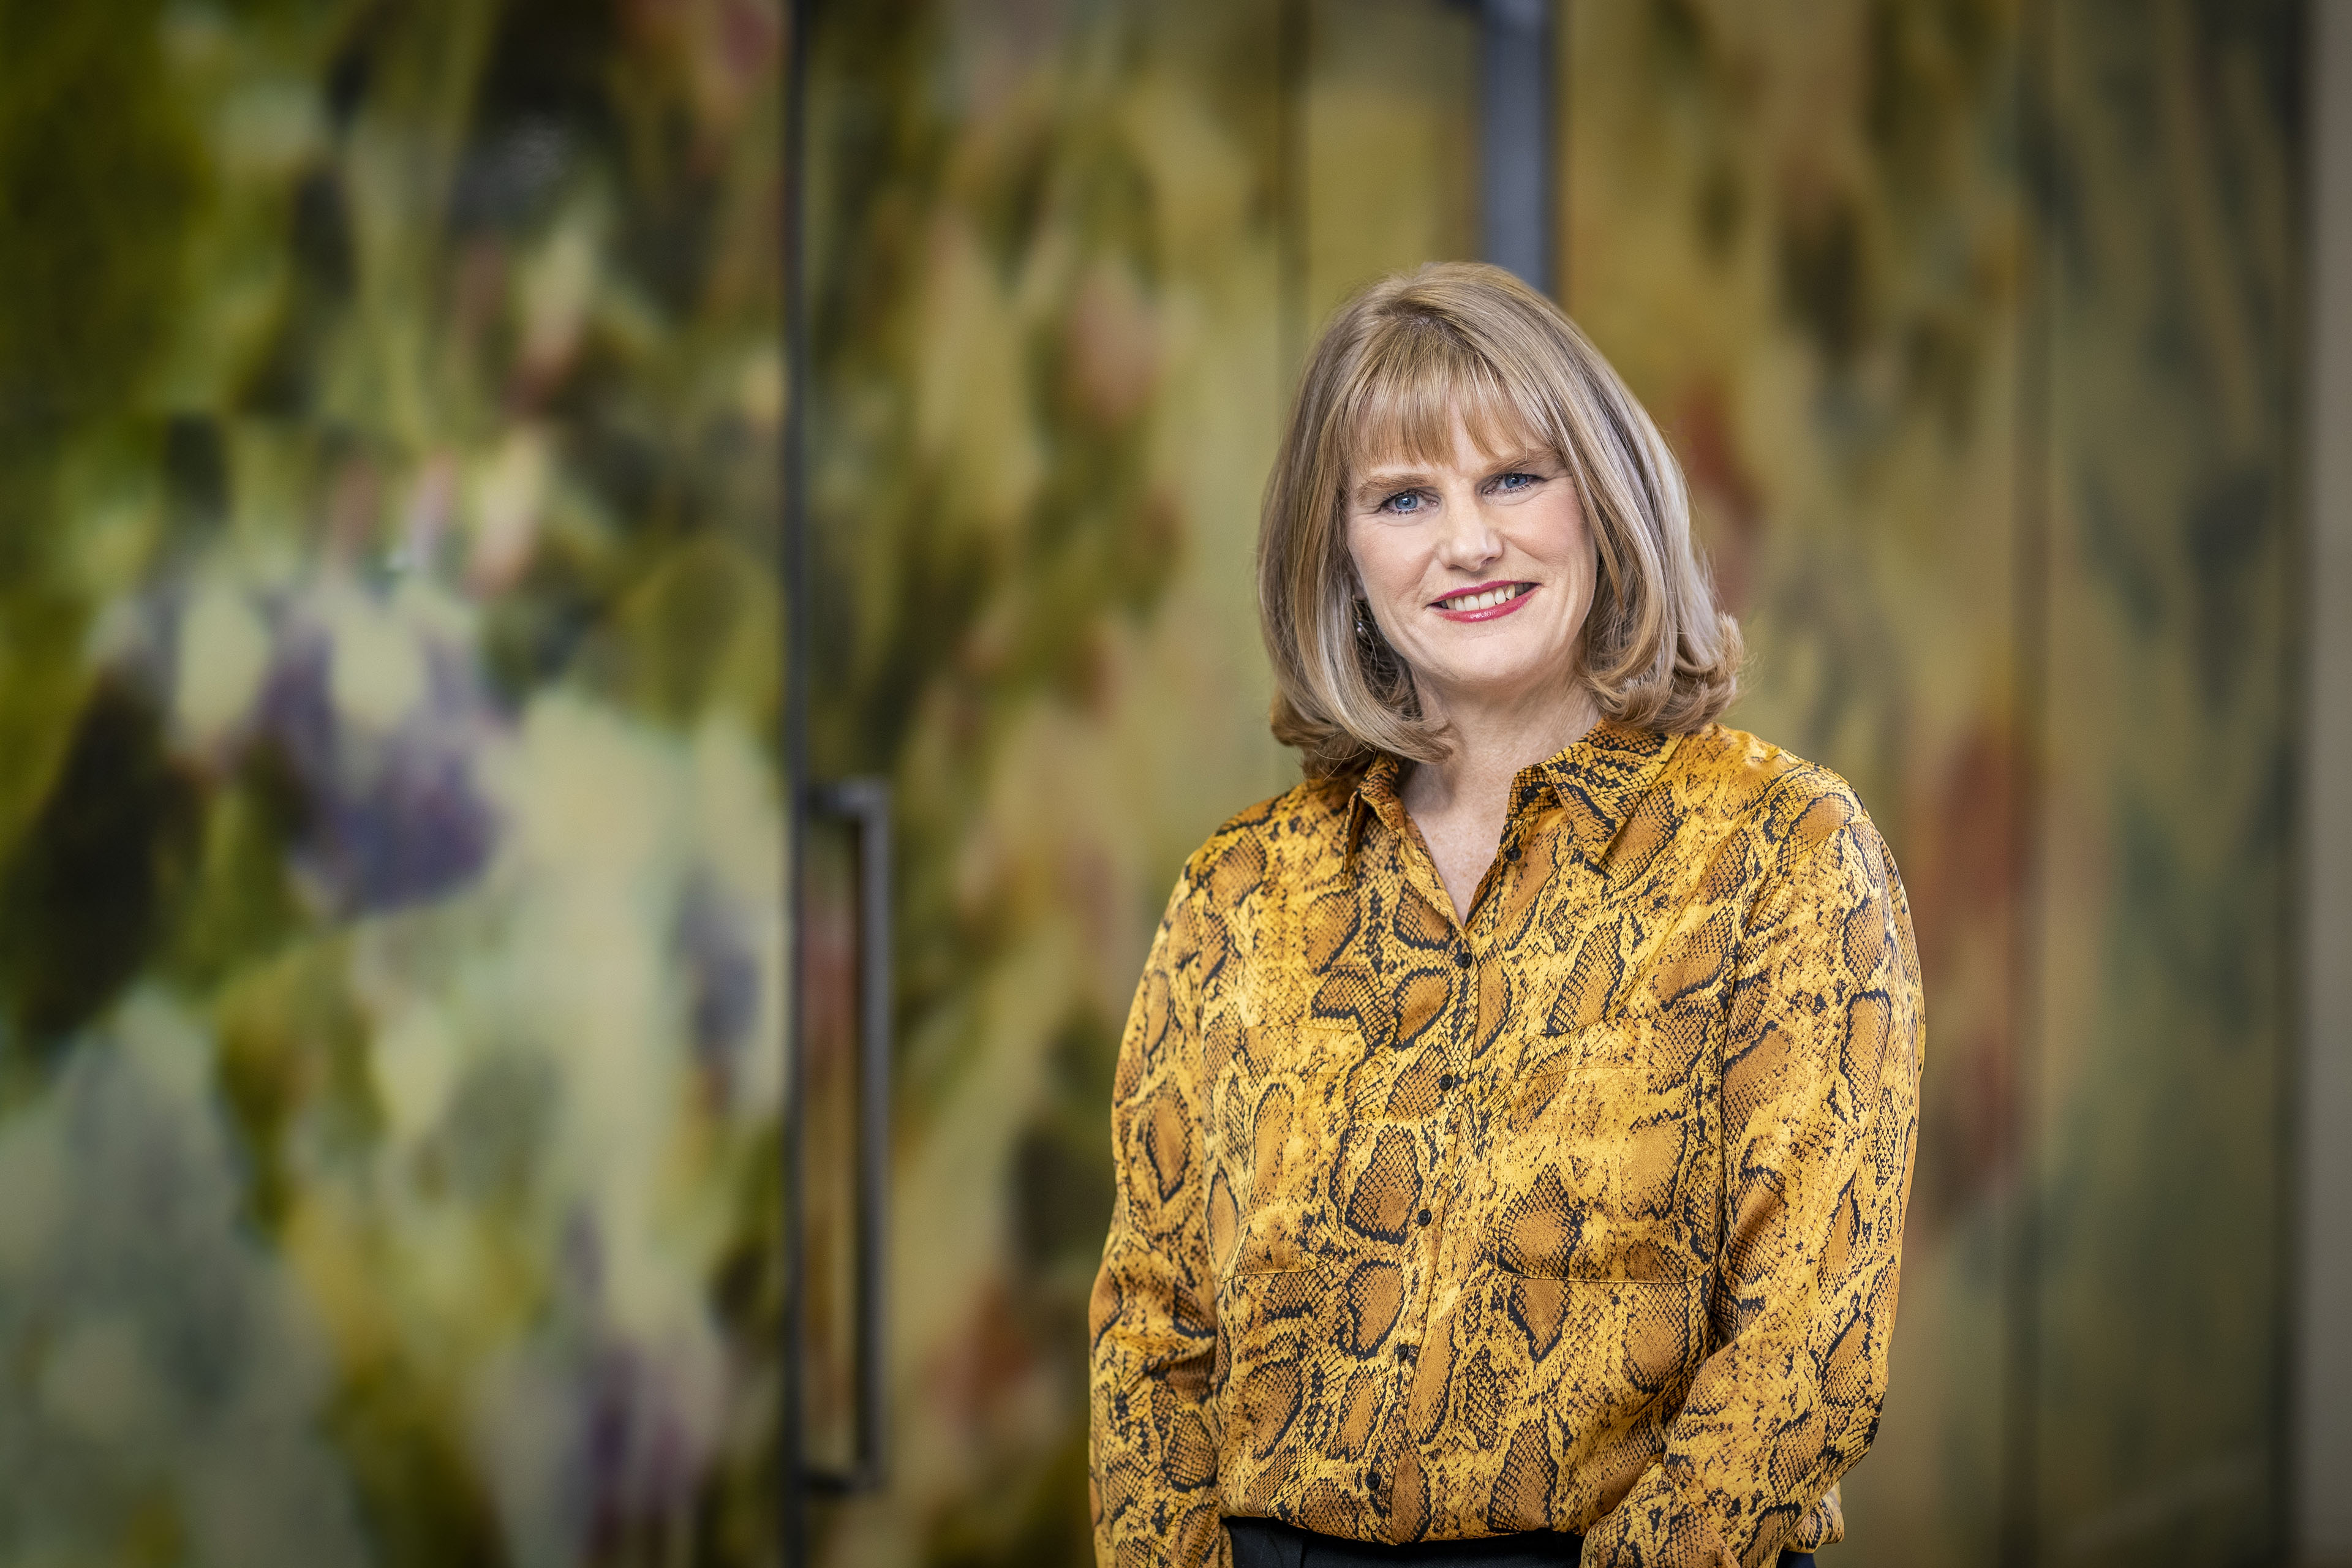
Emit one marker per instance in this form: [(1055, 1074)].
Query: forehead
[(1412, 414)]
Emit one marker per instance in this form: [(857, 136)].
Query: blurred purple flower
[(722, 968), (391, 819)]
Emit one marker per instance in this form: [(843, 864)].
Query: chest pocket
[(1591, 1160)]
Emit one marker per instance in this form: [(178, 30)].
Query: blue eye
[(1403, 501), (1510, 482)]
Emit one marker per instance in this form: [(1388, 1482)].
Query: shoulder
[(1271, 840), (1790, 805)]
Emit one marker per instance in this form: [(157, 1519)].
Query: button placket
[(1463, 1027)]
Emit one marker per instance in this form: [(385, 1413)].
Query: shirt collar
[(1599, 779), (1375, 797), (1596, 780)]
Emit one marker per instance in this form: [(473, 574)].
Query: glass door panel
[(1061, 261), (2156, 1432), (1987, 410)]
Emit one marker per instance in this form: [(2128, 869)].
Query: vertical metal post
[(2320, 1435), (792, 1515), (1517, 132)]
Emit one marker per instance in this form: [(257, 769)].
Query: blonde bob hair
[(1396, 369)]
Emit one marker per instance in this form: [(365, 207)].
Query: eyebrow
[(1381, 483)]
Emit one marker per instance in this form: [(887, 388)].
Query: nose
[(1469, 541)]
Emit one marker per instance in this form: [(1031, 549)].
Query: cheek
[(1564, 545), (1383, 564), (1560, 535)]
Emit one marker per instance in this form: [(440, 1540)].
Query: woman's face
[(1479, 570)]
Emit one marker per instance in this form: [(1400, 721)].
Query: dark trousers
[(1263, 1543)]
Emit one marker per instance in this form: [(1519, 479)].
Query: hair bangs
[(1417, 381)]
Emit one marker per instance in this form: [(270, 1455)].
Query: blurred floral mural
[(390, 934), (392, 837), (1975, 324)]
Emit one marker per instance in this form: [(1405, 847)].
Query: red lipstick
[(1519, 595)]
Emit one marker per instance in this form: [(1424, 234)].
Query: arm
[(1152, 1322), (1820, 1094)]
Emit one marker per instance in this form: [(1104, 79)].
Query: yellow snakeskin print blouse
[(1585, 1217)]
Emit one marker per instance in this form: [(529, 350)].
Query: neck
[(1491, 740)]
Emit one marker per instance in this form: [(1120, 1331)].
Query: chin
[(1501, 672)]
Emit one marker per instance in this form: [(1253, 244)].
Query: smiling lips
[(1485, 602)]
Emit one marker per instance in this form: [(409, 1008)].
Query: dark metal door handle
[(865, 804)]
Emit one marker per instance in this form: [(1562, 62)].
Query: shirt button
[(1461, 958), (1444, 1080), (1423, 1217), (1512, 853)]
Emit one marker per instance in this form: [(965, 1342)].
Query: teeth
[(1486, 601)]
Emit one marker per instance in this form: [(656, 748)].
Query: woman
[(1514, 1120)]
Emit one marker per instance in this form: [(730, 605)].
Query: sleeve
[(1152, 1447), (1820, 1094)]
